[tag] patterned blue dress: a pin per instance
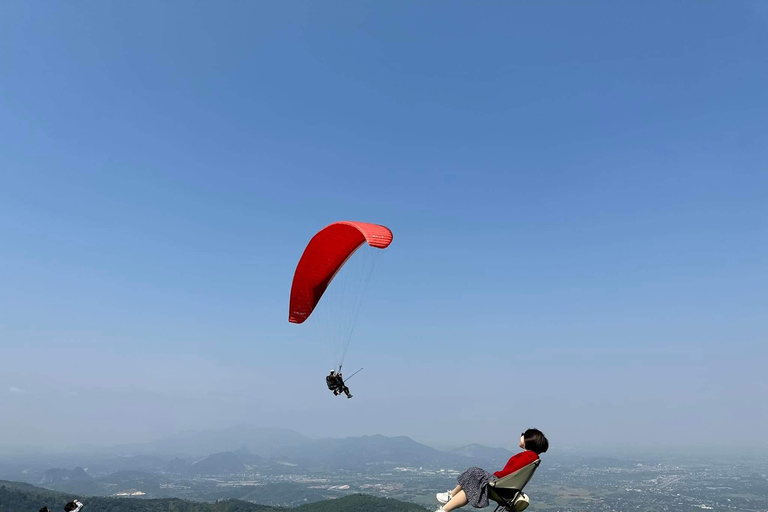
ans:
(474, 482)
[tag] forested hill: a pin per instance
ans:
(359, 503)
(20, 497)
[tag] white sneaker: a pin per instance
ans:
(440, 509)
(443, 497)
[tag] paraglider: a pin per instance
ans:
(324, 256)
(343, 253)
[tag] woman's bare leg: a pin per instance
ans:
(455, 491)
(459, 500)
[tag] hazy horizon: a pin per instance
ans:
(578, 194)
(611, 450)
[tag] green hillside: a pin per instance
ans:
(20, 497)
(359, 503)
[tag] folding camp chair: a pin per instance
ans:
(508, 491)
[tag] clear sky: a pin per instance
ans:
(578, 193)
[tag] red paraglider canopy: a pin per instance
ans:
(325, 254)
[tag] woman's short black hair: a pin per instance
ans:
(535, 440)
(44, 509)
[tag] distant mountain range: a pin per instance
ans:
(262, 441)
(156, 468)
(254, 445)
(57, 475)
(359, 452)
(224, 463)
(498, 456)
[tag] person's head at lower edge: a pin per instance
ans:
(534, 439)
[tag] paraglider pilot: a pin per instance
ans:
(336, 384)
(73, 506)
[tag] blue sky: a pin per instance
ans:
(578, 194)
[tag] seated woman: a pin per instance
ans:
(473, 483)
